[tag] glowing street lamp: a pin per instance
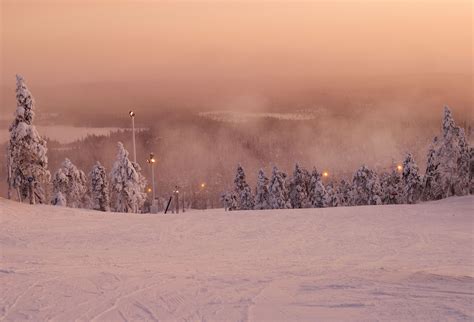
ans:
(203, 185)
(399, 168)
(151, 161)
(325, 174)
(132, 116)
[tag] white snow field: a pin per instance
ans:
(374, 263)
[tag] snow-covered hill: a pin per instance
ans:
(408, 262)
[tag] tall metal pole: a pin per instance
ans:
(132, 115)
(153, 181)
(152, 161)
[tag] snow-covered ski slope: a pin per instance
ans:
(407, 262)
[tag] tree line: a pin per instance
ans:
(28, 174)
(449, 172)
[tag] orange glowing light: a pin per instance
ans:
(325, 174)
(399, 168)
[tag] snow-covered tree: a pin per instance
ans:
(447, 171)
(243, 190)
(432, 190)
(58, 199)
(366, 187)
(99, 188)
(126, 183)
(298, 189)
(279, 198)
(262, 195)
(391, 188)
(317, 191)
(411, 180)
(332, 197)
(462, 183)
(229, 200)
(71, 182)
(26, 152)
(343, 191)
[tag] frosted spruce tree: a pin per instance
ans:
(447, 171)
(411, 180)
(99, 188)
(229, 201)
(391, 188)
(366, 187)
(71, 183)
(343, 191)
(332, 197)
(432, 189)
(126, 183)
(279, 198)
(27, 162)
(298, 189)
(243, 191)
(317, 191)
(262, 195)
(233, 203)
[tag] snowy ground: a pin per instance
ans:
(361, 263)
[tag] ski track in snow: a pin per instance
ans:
(406, 262)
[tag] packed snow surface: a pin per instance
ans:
(405, 262)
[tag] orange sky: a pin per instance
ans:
(83, 41)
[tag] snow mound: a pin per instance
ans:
(403, 262)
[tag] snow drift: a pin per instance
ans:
(403, 262)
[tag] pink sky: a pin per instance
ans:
(84, 41)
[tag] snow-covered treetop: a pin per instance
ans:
(448, 121)
(25, 102)
(240, 175)
(123, 166)
(409, 164)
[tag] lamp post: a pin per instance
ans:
(176, 200)
(203, 196)
(132, 116)
(151, 161)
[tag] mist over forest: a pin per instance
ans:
(201, 135)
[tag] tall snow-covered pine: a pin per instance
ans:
(262, 195)
(99, 188)
(71, 183)
(317, 191)
(279, 198)
(126, 183)
(447, 171)
(366, 187)
(243, 190)
(343, 191)
(298, 189)
(411, 180)
(26, 152)
(391, 188)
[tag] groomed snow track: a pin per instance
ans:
(407, 262)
